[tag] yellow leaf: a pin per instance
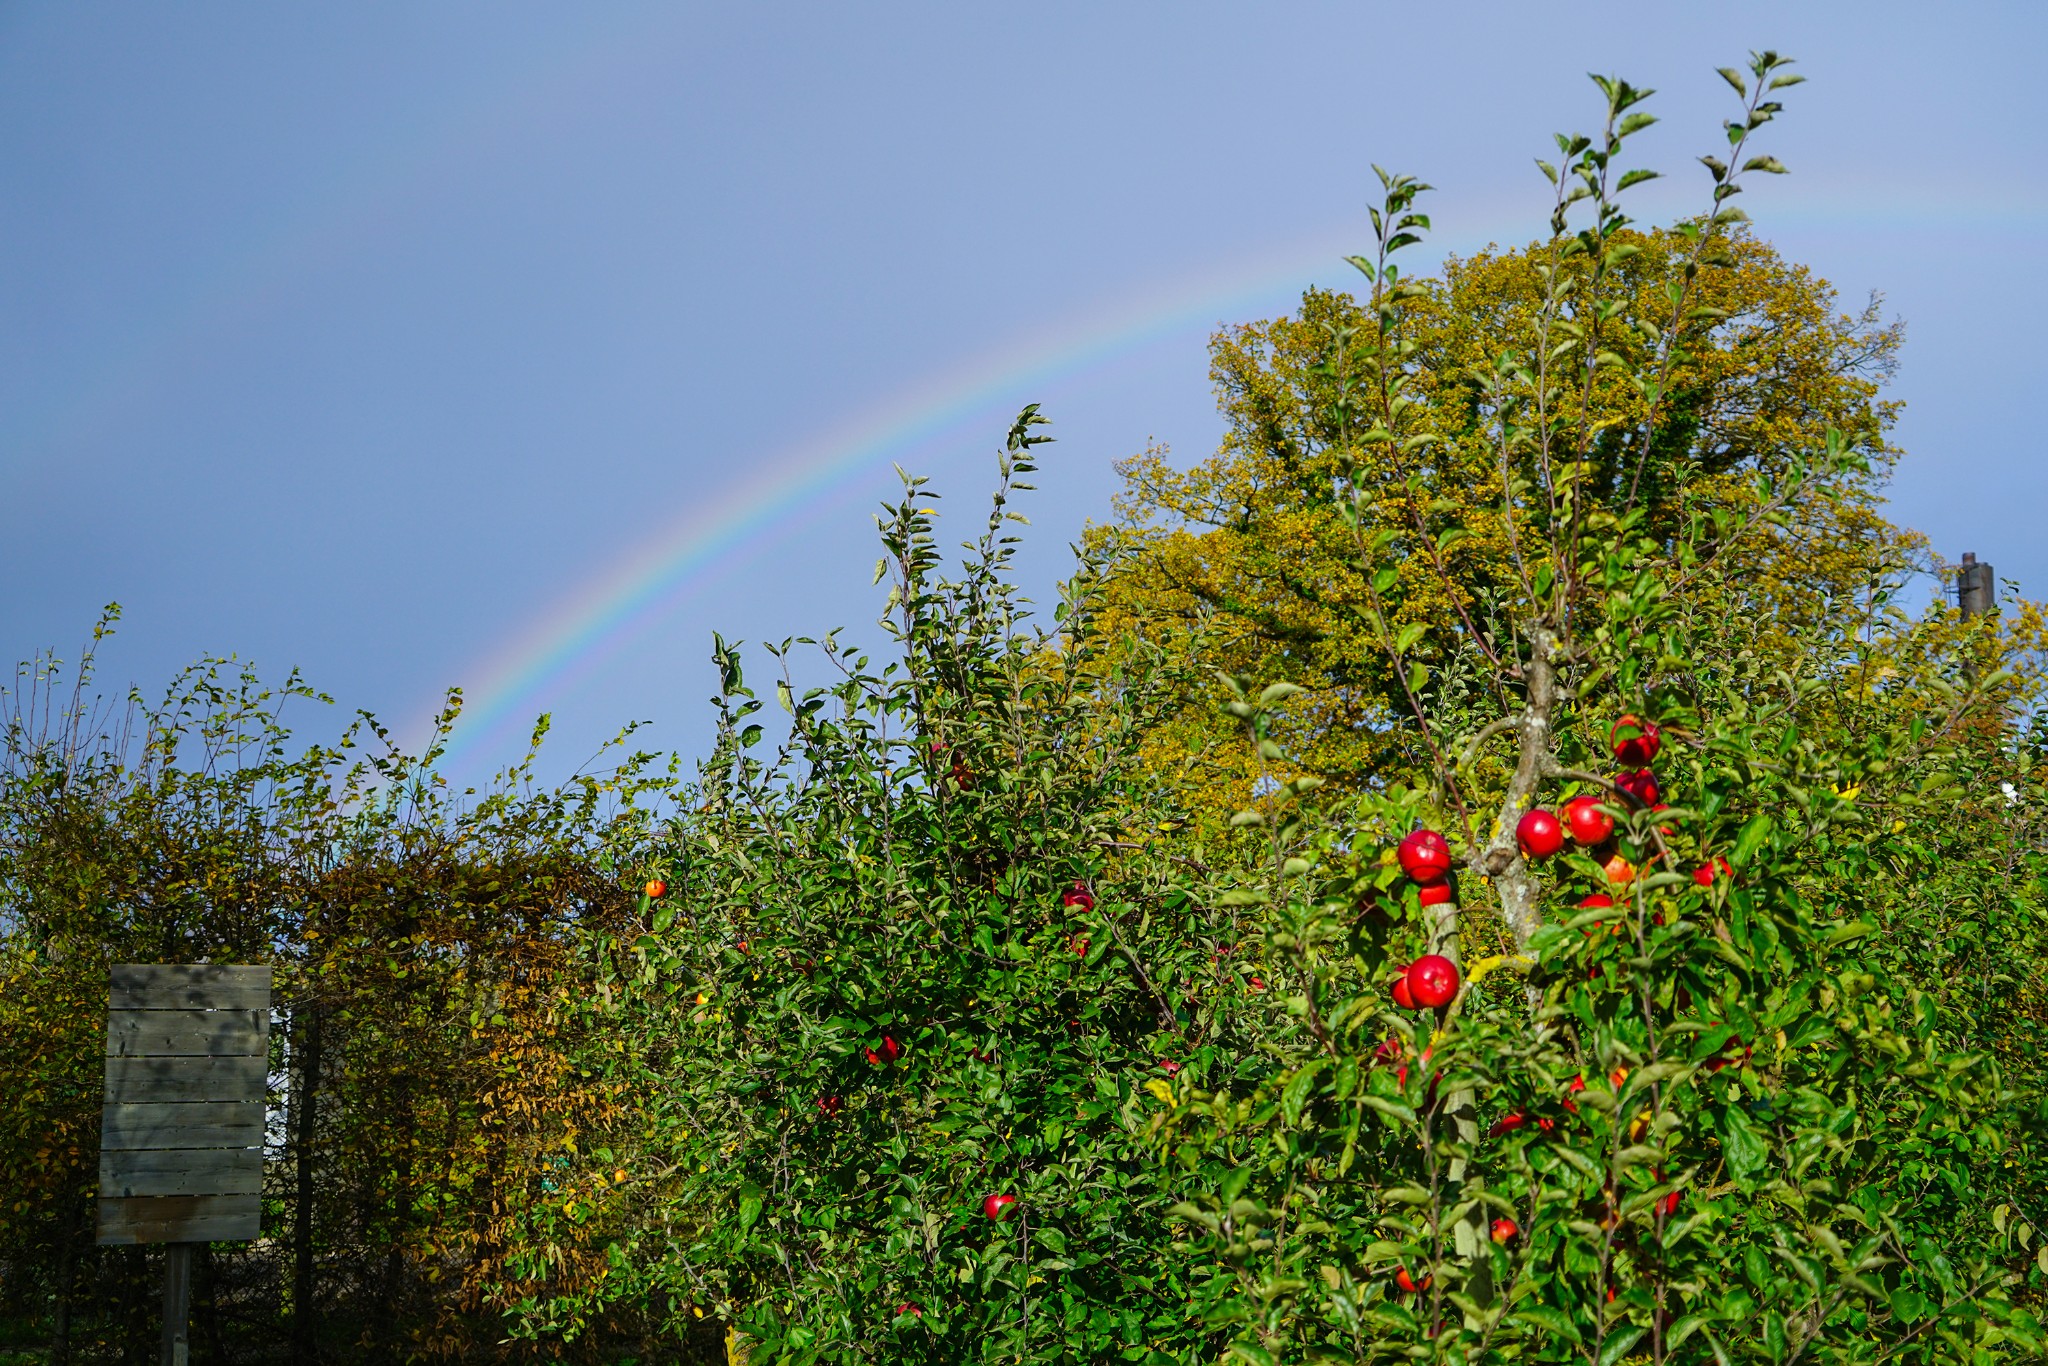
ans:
(1161, 1090)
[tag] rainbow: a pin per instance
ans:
(590, 625)
(593, 623)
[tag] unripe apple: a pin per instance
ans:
(1432, 980)
(1403, 997)
(1503, 1231)
(1434, 893)
(1425, 856)
(656, 889)
(1538, 834)
(1588, 824)
(998, 1207)
(1078, 898)
(1634, 740)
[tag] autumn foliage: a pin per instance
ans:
(1493, 864)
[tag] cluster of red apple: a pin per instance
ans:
(1635, 742)
(1431, 981)
(1078, 898)
(1541, 835)
(963, 776)
(1502, 1231)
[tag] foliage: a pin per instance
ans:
(1253, 545)
(1724, 1118)
(1007, 913)
(428, 953)
(923, 955)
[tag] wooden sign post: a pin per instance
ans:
(181, 1134)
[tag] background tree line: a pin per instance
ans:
(1098, 910)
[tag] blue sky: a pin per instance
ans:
(377, 340)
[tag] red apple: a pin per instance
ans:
(1538, 834)
(1388, 1051)
(1169, 1067)
(1640, 784)
(1258, 984)
(1079, 944)
(998, 1207)
(1668, 1206)
(1634, 740)
(1619, 870)
(829, 1106)
(1403, 997)
(909, 1309)
(1425, 856)
(1508, 1123)
(1407, 1282)
(1078, 898)
(656, 889)
(891, 1050)
(1705, 874)
(1432, 980)
(1434, 893)
(1504, 1230)
(1597, 901)
(1588, 824)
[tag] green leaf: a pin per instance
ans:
(1550, 1320)
(1683, 1329)
(1755, 831)
(1298, 1087)
(1618, 1343)
(1741, 1145)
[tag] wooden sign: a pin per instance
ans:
(181, 1134)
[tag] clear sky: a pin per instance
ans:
(522, 346)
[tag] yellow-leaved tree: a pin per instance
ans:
(1250, 548)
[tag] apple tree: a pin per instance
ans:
(1684, 1101)
(920, 968)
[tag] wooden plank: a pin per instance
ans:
(180, 1219)
(187, 1033)
(183, 1171)
(194, 1124)
(137, 1080)
(188, 986)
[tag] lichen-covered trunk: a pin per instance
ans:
(1499, 859)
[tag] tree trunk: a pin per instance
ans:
(70, 1232)
(306, 1051)
(1499, 859)
(1460, 1109)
